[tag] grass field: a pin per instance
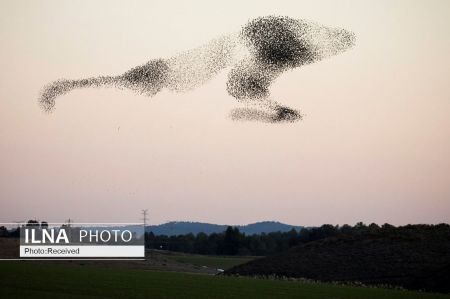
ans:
(215, 262)
(45, 280)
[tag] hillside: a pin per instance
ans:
(183, 227)
(414, 257)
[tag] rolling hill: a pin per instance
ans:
(413, 257)
(184, 227)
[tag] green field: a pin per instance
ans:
(215, 262)
(45, 280)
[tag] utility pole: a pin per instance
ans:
(144, 217)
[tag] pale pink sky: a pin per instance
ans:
(374, 144)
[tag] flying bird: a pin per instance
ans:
(255, 56)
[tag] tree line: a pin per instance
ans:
(233, 242)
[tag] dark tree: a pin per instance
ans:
(33, 223)
(232, 240)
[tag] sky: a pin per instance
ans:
(373, 146)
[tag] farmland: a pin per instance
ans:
(72, 280)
